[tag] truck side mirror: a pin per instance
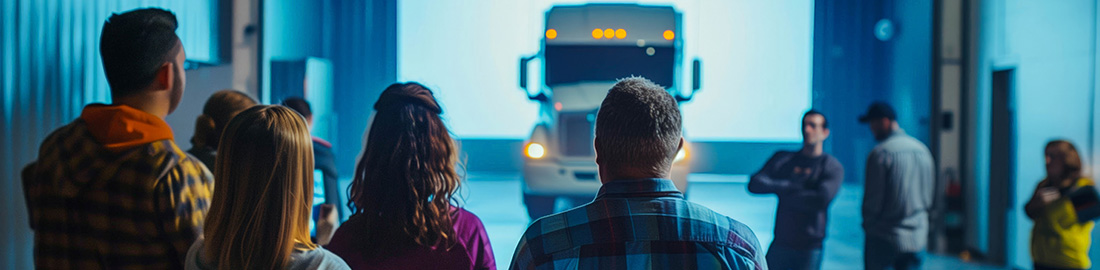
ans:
(523, 78)
(696, 79)
(523, 71)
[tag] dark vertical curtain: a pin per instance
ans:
(362, 45)
(49, 69)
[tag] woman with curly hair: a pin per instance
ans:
(401, 195)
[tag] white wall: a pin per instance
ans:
(201, 83)
(756, 63)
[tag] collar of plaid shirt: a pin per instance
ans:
(651, 187)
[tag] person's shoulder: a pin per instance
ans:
(832, 161)
(346, 239)
(700, 213)
(463, 216)
(65, 143)
(193, 258)
(742, 240)
(557, 222)
(318, 258)
(188, 164)
(66, 132)
(467, 223)
(177, 168)
(348, 232)
(783, 154)
(331, 260)
(318, 142)
(62, 138)
(736, 235)
(902, 142)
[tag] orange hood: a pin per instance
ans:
(119, 127)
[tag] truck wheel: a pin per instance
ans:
(538, 205)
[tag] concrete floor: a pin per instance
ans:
(496, 199)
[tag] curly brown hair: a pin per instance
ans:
(404, 181)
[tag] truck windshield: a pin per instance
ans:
(576, 63)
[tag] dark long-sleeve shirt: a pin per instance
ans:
(805, 186)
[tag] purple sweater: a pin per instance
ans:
(805, 186)
(472, 250)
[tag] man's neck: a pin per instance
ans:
(893, 130)
(143, 103)
(629, 175)
(812, 150)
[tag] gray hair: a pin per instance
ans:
(638, 126)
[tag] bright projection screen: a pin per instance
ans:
(756, 58)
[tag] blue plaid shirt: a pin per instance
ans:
(639, 224)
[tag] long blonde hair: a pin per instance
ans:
(261, 207)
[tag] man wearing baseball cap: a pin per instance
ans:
(897, 195)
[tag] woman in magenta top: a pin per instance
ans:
(401, 195)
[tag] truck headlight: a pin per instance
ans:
(534, 150)
(681, 155)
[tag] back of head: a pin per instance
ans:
(134, 45)
(261, 208)
(406, 174)
(299, 105)
(638, 128)
(219, 109)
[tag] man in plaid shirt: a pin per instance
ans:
(111, 190)
(639, 220)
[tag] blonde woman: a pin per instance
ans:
(1058, 239)
(259, 217)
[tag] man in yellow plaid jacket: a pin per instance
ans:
(111, 190)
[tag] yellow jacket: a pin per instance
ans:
(1057, 239)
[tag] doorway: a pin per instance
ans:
(1002, 159)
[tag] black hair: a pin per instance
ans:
(825, 122)
(134, 45)
(638, 125)
(299, 105)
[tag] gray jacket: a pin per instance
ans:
(898, 192)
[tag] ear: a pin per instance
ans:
(166, 76)
(596, 144)
(681, 146)
(883, 122)
(826, 133)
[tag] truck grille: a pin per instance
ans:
(576, 132)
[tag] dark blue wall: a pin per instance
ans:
(358, 37)
(852, 68)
